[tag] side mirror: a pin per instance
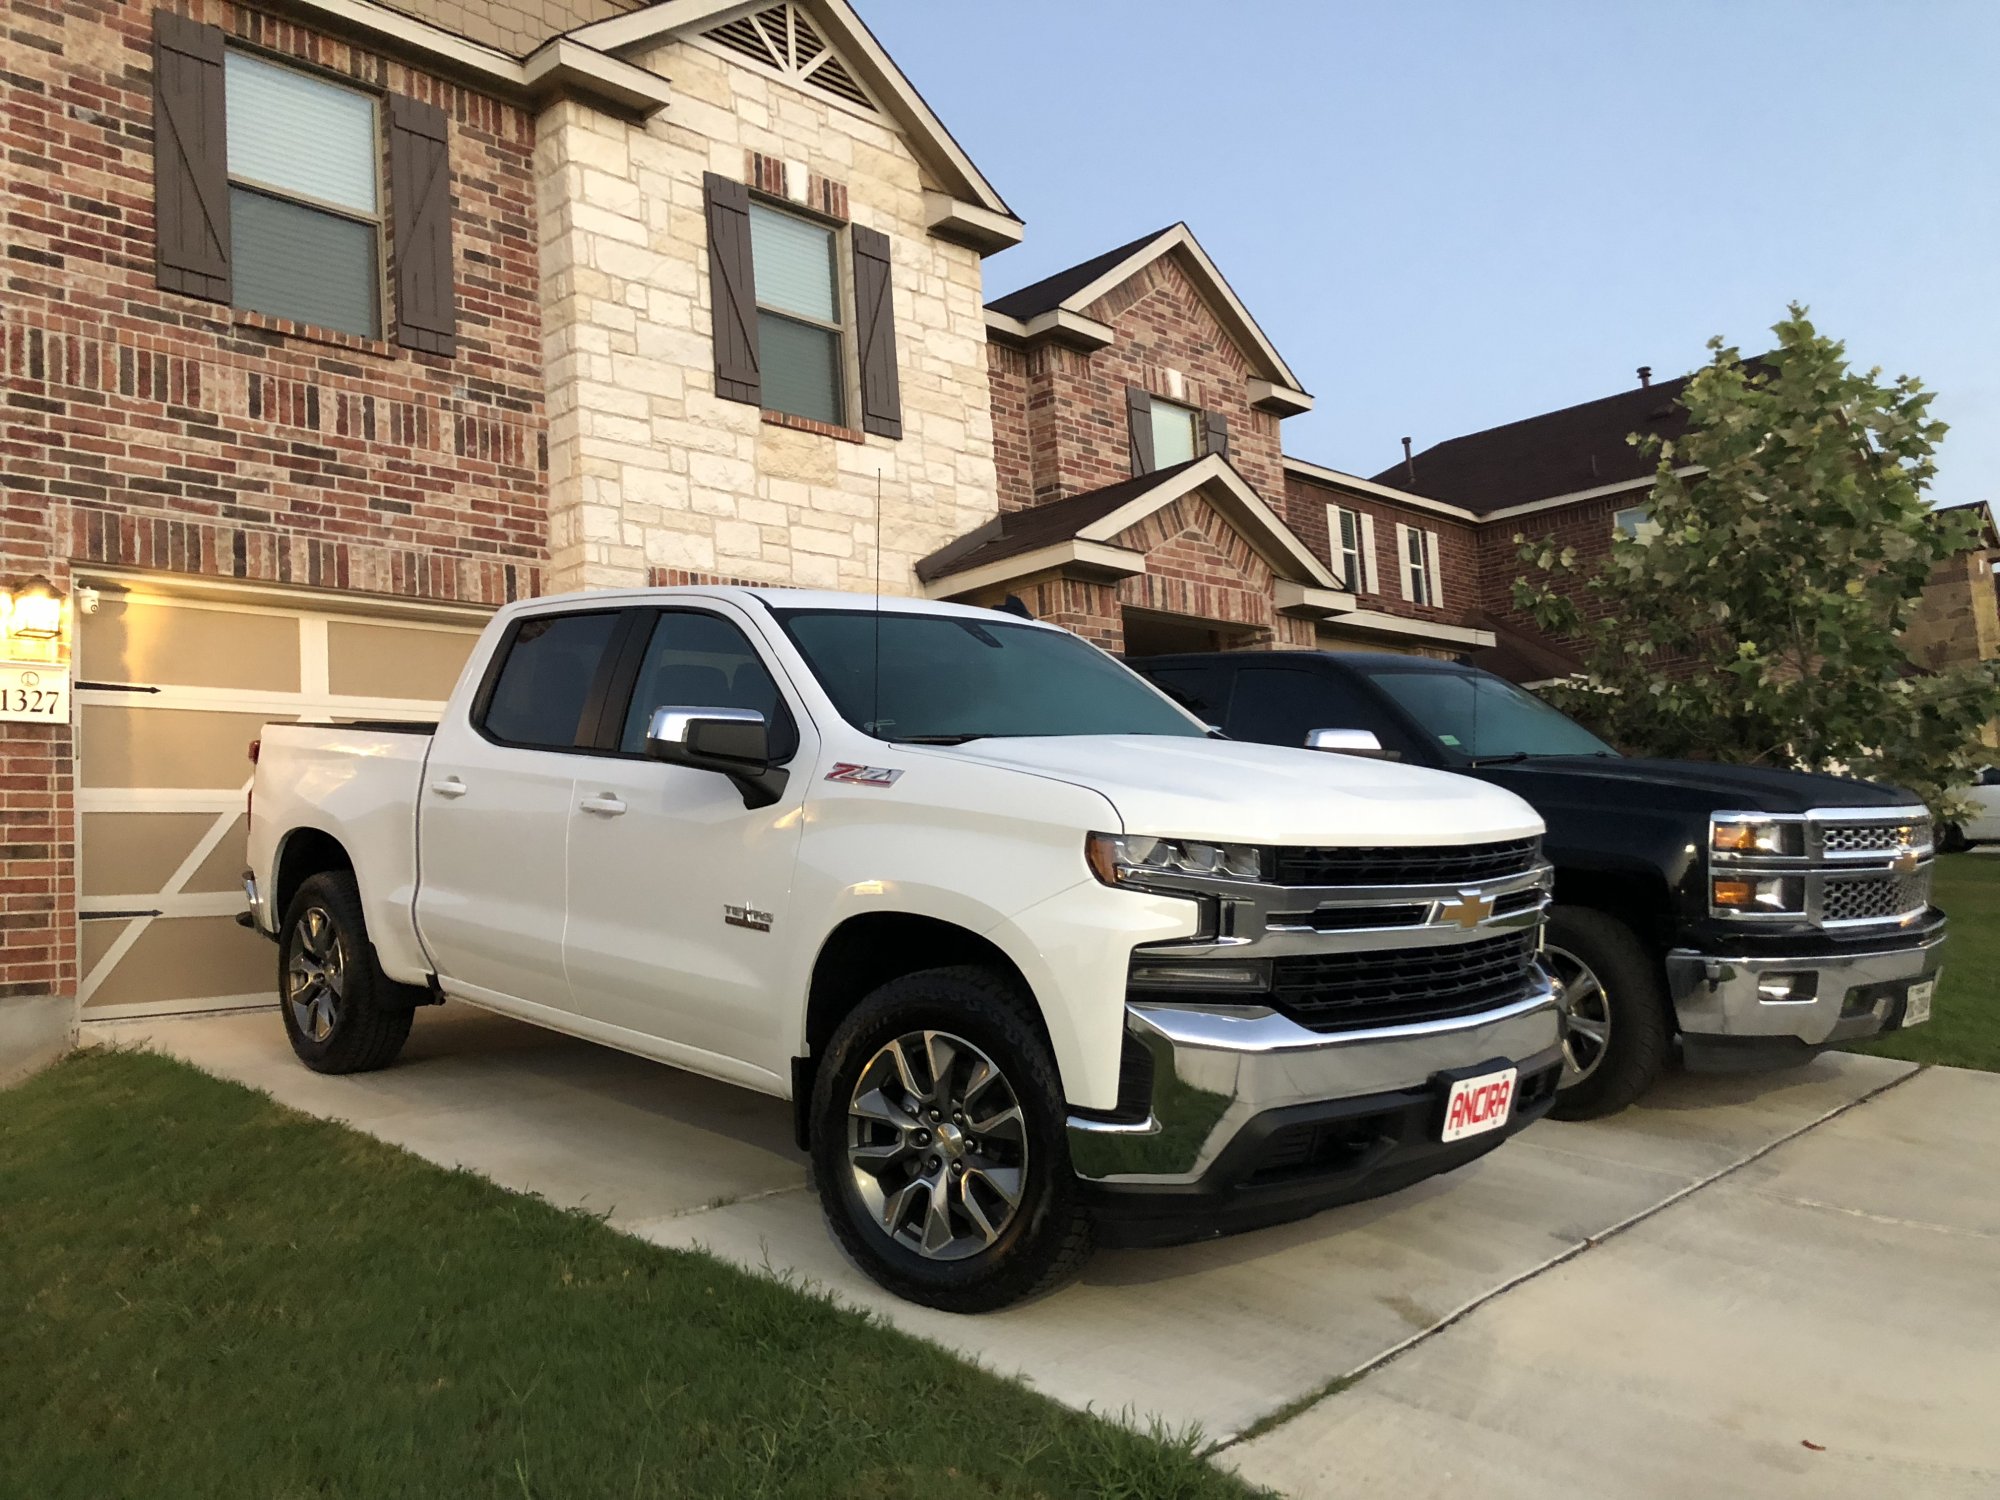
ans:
(735, 742)
(1360, 742)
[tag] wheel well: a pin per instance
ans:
(307, 852)
(1642, 904)
(863, 954)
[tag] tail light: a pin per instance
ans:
(250, 797)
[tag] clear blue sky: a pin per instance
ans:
(1451, 215)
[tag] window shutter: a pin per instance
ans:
(1369, 581)
(1139, 419)
(1406, 552)
(1431, 568)
(732, 289)
(420, 189)
(875, 318)
(190, 159)
(1215, 430)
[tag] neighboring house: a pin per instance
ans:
(1145, 499)
(331, 326)
(1957, 621)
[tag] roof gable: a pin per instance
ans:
(1073, 292)
(834, 38)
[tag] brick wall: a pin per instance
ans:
(1065, 411)
(1461, 559)
(1585, 526)
(153, 430)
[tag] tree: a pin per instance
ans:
(1759, 617)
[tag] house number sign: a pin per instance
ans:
(33, 695)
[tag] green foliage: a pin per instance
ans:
(1760, 617)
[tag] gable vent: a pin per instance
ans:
(781, 38)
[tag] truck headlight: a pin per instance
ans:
(1747, 835)
(1129, 858)
(1758, 895)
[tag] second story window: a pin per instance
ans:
(305, 223)
(1636, 521)
(798, 314)
(1417, 556)
(1353, 537)
(1176, 433)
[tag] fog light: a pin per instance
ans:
(1782, 986)
(1229, 976)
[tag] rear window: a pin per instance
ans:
(537, 701)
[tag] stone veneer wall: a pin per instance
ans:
(651, 473)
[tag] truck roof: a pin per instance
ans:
(784, 598)
(1360, 660)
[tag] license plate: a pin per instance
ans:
(1917, 1005)
(1477, 1105)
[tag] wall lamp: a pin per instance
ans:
(33, 610)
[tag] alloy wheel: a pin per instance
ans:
(1585, 1011)
(315, 974)
(937, 1144)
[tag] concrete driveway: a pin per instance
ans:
(1770, 1286)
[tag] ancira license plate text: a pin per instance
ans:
(1477, 1105)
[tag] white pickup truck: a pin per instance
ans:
(1039, 958)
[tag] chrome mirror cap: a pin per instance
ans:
(1346, 742)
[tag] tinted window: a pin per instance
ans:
(1277, 705)
(956, 677)
(1191, 687)
(545, 681)
(1477, 714)
(700, 661)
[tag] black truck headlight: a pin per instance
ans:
(1758, 895)
(1748, 835)
(1129, 858)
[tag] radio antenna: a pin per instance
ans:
(875, 713)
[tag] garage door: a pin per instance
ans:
(171, 688)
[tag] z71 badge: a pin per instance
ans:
(863, 775)
(747, 916)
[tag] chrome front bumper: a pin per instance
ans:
(1213, 1072)
(1839, 997)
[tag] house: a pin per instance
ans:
(329, 327)
(1145, 499)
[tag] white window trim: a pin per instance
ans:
(1360, 578)
(1417, 565)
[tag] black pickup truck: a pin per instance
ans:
(1757, 915)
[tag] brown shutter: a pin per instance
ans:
(420, 190)
(875, 315)
(190, 159)
(1215, 429)
(1139, 419)
(733, 290)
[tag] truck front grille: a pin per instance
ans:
(1874, 898)
(1870, 838)
(1454, 864)
(1400, 987)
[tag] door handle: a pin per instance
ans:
(450, 786)
(607, 804)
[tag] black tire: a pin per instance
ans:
(1634, 1006)
(1951, 839)
(1047, 1236)
(360, 1021)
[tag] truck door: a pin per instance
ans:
(494, 807)
(678, 893)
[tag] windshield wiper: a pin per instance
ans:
(937, 739)
(1500, 760)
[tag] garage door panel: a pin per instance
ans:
(189, 959)
(223, 869)
(183, 645)
(166, 747)
(95, 940)
(392, 661)
(138, 851)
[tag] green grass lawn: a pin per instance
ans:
(1964, 1030)
(204, 1294)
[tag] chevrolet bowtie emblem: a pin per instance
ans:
(1905, 862)
(1468, 909)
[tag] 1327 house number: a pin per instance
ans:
(34, 695)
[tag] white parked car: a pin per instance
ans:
(1037, 958)
(1983, 825)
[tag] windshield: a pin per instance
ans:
(1483, 717)
(951, 678)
